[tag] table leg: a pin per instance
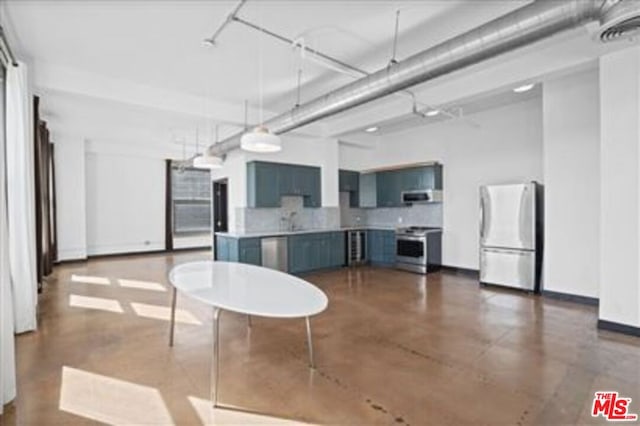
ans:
(214, 358)
(312, 363)
(172, 325)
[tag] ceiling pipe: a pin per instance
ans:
(521, 27)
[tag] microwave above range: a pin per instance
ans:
(422, 196)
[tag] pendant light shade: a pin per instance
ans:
(260, 140)
(206, 161)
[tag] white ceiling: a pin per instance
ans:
(158, 45)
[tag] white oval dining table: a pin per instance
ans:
(245, 289)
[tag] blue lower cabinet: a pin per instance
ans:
(310, 252)
(222, 248)
(226, 249)
(250, 251)
(244, 250)
(382, 246)
(299, 247)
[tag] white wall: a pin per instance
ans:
(620, 184)
(571, 117)
(71, 203)
(506, 147)
(125, 202)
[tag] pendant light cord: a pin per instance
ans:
(260, 71)
(395, 39)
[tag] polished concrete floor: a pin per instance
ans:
(392, 348)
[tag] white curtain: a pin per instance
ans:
(21, 199)
(7, 351)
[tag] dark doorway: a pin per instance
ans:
(220, 223)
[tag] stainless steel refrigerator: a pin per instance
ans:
(511, 235)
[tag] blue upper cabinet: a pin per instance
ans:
(268, 182)
(263, 184)
(391, 183)
(388, 188)
(367, 190)
(349, 181)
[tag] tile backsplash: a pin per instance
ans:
(250, 220)
(292, 211)
(417, 214)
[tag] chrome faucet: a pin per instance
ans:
(292, 223)
(287, 221)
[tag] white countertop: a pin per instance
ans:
(300, 231)
(248, 289)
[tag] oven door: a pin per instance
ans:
(411, 250)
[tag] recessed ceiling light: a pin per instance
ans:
(371, 129)
(524, 88)
(432, 113)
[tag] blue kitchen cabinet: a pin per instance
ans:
(310, 252)
(388, 190)
(436, 178)
(349, 181)
(310, 184)
(268, 182)
(424, 177)
(381, 245)
(391, 183)
(300, 253)
(226, 248)
(263, 184)
(413, 178)
(250, 251)
(244, 250)
(222, 248)
(367, 190)
(337, 241)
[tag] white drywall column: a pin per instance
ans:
(571, 159)
(71, 207)
(620, 186)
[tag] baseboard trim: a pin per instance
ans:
(471, 273)
(567, 297)
(146, 253)
(70, 261)
(619, 328)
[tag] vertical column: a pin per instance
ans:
(71, 198)
(620, 191)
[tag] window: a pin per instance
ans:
(190, 201)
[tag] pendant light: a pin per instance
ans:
(260, 139)
(205, 160)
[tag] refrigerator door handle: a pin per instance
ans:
(483, 214)
(481, 218)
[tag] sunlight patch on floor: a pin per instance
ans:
(110, 400)
(164, 313)
(99, 303)
(220, 416)
(88, 279)
(142, 285)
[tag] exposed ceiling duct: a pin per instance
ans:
(526, 25)
(621, 20)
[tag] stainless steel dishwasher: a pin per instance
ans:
(274, 253)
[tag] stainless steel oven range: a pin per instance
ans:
(418, 249)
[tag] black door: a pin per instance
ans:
(220, 206)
